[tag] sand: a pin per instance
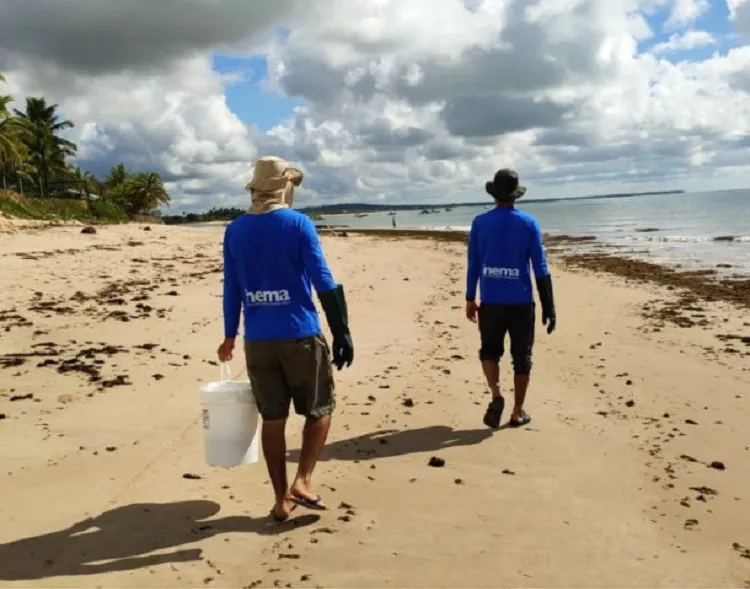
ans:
(611, 485)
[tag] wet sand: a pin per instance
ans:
(633, 471)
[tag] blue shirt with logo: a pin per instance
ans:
(271, 264)
(502, 242)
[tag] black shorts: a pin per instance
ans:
(515, 320)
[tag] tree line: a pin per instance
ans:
(36, 160)
(215, 214)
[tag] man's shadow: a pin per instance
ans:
(126, 536)
(390, 443)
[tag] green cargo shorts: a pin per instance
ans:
(295, 371)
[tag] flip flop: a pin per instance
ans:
(525, 418)
(310, 503)
(494, 412)
(282, 519)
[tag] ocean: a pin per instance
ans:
(701, 230)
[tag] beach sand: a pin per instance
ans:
(611, 485)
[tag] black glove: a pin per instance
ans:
(544, 286)
(334, 306)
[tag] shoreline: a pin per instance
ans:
(705, 284)
(631, 473)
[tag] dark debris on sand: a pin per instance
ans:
(88, 360)
(695, 287)
(741, 550)
(27, 397)
(10, 319)
(448, 236)
(116, 294)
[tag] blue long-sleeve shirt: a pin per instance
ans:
(502, 242)
(271, 264)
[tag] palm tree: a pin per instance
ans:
(48, 151)
(141, 193)
(148, 192)
(117, 176)
(86, 181)
(13, 152)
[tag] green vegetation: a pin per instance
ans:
(64, 209)
(210, 216)
(214, 215)
(36, 164)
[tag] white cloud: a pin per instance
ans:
(739, 14)
(733, 5)
(686, 12)
(685, 42)
(177, 123)
(562, 93)
(403, 101)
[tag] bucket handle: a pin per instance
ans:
(226, 372)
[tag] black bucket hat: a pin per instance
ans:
(505, 186)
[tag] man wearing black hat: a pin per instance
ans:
(502, 242)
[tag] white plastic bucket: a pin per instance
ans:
(230, 421)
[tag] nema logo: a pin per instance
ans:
(490, 272)
(268, 297)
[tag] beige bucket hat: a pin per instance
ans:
(272, 185)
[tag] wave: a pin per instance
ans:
(464, 228)
(694, 238)
(457, 228)
(642, 237)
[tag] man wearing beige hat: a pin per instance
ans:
(272, 261)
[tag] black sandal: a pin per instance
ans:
(525, 418)
(494, 412)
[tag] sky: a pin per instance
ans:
(394, 101)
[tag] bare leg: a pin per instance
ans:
(521, 384)
(492, 374)
(314, 437)
(274, 451)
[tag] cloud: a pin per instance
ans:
(177, 124)
(739, 14)
(733, 7)
(402, 101)
(104, 36)
(556, 73)
(686, 12)
(138, 83)
(685, 42)
(491, 116)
